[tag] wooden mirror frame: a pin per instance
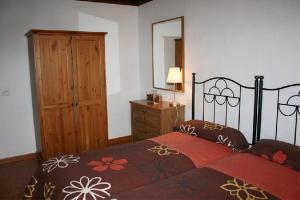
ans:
(179, 88)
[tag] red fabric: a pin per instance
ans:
(106, 162)
(200, 151)
(279, 157)
(276, 179)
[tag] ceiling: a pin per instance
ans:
(122, 2)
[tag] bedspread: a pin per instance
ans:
(103, 173)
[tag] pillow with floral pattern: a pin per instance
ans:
(227, 136)
(277, 151)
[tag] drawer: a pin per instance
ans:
(151, 120)
(143, 134)
(144, 131)
(138, 110)
(148, 116)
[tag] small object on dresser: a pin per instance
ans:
(157, 98)
(149, 95)
(153, 96)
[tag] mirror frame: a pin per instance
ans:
(183, 53)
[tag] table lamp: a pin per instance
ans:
(174, 76)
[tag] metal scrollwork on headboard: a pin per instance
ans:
(222, 95)
(292, 102)
(295, 112)
(220, 92)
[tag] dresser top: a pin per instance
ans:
(162, 105)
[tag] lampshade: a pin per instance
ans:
(174, 75)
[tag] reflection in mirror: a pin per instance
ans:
(168, 44)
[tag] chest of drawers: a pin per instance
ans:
(151, 120)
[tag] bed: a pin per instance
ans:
(126, 167)
(121, 168)
(212, 165)
(243, 176)
(270, 169)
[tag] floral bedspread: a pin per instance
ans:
(101, 174)
(239, 177)
(198, 184)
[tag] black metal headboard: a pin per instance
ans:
(283, 99)
(222, 96)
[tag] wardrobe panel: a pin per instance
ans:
(68, 130)
(89, 127)
(90, 91)
(56, 69)
(52, 133)
(59, 132)
(89, 69)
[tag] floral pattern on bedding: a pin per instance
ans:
(226, 142)
(108, 163)
(214, 132)
(48, 191)
(59, 162)
(243, 190)
(202, 183)
(162, 150)
(99, 174)
(277, 151)
(278, 157)
(188, 129)
(87, 188)
(30, 188)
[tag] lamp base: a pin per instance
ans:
(174, 104)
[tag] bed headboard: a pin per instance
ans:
(219, 92)
(284, 111)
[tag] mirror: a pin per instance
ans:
(168, 51)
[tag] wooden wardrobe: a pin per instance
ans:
(69, 90)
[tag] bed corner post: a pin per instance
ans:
(193, 95)
(259, 112)
(255, 109)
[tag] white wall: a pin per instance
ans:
(232, 38)
(122, 71)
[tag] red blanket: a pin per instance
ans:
(278, 180)
(241, 176)
(200, 151)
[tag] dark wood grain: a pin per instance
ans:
(120, 140)
(20, 158)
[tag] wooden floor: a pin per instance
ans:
(14, 177)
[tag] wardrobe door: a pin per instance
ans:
(90, 91)
(55, 87)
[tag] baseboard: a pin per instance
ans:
(111, 142)
(20, 158)
(120, 140)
